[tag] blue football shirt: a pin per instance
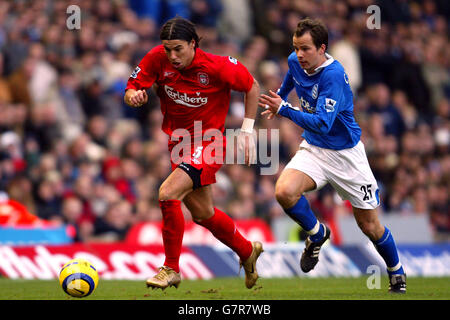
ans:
(326, 100)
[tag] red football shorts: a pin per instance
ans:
(200, 160)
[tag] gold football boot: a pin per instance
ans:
(166, 277)
(251, 275)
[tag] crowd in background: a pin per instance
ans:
(71, 151)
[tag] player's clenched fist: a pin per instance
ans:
(135, 98)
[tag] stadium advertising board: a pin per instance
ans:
(428, 260)
(137, 262)
(124, 261)
(31, 235)
(112, 261)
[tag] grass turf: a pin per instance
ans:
(233, 289)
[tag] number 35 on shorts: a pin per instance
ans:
(368, 195)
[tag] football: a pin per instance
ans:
(78, 278)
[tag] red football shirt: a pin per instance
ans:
(199, 92)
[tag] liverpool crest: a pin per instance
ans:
(203, 78)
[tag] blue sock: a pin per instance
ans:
(319, 235)
(387, 249)
(303, 215)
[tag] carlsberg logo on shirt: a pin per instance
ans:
(184, 99)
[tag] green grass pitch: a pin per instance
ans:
(233, 289)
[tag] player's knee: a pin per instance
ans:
(370, 228)
(201, 213)
(285, 196)
(166, 193)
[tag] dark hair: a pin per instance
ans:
(179, 28)
(316, 29)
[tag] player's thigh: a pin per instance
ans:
(200, 203)
(350, 174)
(290, 186)
(304, 172)
(176, 186)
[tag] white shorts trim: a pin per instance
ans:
(347, 170)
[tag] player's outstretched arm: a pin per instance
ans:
(135, 98)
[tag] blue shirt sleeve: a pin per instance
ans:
(286, 86)
(320, 122)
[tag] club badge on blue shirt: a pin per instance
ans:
(315, 91)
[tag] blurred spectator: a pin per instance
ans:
(160, 10)
(408, 112)
(18, 82)
(115, 223)
(97, 128)
(5, 92)
(71, 212)
(83, 189)
(20, 189)
(380, 98)
(377, 62)
(48, 201)
(145, 212)
(347, 53)
(205, 12)
(235, 21)
(435, 76)
(71, 104)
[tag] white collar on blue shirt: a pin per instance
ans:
(329, 61)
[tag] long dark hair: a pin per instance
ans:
(179, 28)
